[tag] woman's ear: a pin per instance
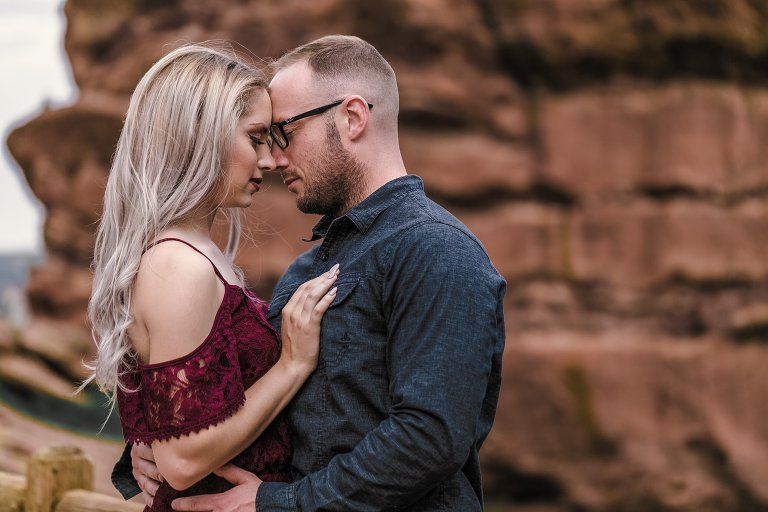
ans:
(356, 113)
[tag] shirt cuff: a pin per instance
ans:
(122, 475)
(275, 497)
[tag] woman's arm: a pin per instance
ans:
(175, 301)
(186, 460)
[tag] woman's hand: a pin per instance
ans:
(145, 471)
(301, 321)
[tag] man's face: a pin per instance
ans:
(315, 166)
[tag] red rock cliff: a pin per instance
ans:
(610, 154)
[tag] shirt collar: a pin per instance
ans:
(363, 215)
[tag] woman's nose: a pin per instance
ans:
(266, 161)
(279, 157)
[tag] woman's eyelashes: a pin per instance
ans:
(257, 139)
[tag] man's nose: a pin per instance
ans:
(281, 161)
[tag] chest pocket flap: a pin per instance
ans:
(346, 285)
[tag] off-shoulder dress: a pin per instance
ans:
(193, 392)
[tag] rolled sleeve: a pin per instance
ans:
(122, 475)
(275, 497)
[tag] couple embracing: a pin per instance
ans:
(371, 379)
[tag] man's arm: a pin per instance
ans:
(441, 303)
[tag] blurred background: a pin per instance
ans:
(610, 154)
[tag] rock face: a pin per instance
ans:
(610, 154)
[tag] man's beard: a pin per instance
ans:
(337, 179)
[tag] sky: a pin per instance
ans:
(35, 70)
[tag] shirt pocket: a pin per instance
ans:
(335, 335)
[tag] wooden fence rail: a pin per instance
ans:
(59, 479)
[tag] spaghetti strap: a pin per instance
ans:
(215, 269)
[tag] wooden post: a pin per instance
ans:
(86, 501)
(53, 471)
(13, 488)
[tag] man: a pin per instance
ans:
(409, 371)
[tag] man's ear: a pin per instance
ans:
(356, 118)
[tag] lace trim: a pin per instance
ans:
(191, 428)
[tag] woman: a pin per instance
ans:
(183, 347)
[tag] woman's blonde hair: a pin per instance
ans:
(167, 167)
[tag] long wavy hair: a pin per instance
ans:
(168, 167)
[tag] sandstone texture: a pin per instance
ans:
(610, 154)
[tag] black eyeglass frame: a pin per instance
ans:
(309, 113)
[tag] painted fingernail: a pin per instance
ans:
(332, 271)
(333, 290)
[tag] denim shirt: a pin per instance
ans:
(409, 371)
(408, 376)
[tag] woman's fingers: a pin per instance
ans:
(147, 498)
(302, 316)
(333, 270)
(144, 469)
(142, 451)
(298, 309)
(150, 486)
(317, 290)
(323, 304)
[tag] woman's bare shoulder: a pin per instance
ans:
(175, 299)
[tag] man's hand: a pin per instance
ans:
(145, 471)
(241, 498)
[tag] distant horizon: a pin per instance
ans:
(37, 73)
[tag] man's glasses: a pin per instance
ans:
(277, 130)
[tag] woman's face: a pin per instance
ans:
(250, 155)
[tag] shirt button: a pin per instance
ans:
(324, 257)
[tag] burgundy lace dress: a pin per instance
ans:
(205, 387)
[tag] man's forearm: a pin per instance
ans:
(393, 466)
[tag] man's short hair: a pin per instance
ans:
(340, 62)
